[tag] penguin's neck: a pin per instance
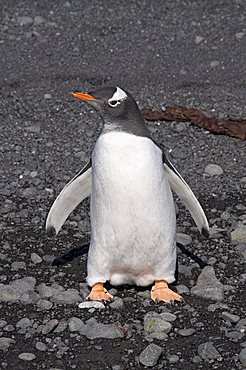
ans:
(130, 126)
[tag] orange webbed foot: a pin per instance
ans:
(99, 293)
(161, 292)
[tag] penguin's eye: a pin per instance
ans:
(113, 103)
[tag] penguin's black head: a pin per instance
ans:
(117, 108)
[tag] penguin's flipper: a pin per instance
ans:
(69, 198)
(183, 191)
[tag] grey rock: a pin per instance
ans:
(61, 327)
(208, 352)
(40, 346)
(184, 239)
(3, 323)
(35, 129)
(35, 258)
(154, 322)
(24, 285)
(46, 291)
(38, 20)
(93, 330)
(186, 332)
(196, 359)
(235, 335)
(208, 286)
(44, 304)
(26, 356)
(117, 304)
(50, 326)
(242, 356)
(91, 304)
(9, 293)
(29, 298)
(182, 289)
(23, 21)
(5, 343)
(168, 316)
(173, 359)
(23, 325)
(213, 170)
(19, 265)
(185, 270)
(216, 306)
(9, 328)
(241, 325)
(75, 324)
(239, 234)
(69, 296)
(227, 316)
(150, 355)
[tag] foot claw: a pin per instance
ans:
(161, 292)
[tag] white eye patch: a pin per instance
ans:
(117, 98)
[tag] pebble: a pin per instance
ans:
(92, 330)
(235, 336)
(23, 21)
(208, 286)
(150, 355)
(184, 239)
(26, 356)
(5, 343)
(173, 359)
(35, 258)
(9, 293)
(117, 304)
(213, 170)
(44, 304)
(75, 324)
(241, 325)
(24, 285)
(182, 289)
(16, 266)
(40, 346)
(23, 325)
(239, 234)
(168, 316)
(91, 304)
(227, 316)
(69, 296)
(154, 322)
(198, 39)
(215, 306)
(208, 352)
(38, 20)
(186, 332)
(50, 326)
(242, 356)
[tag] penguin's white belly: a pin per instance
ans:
(132, 213)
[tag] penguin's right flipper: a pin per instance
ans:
(69, 198)
(184, 192)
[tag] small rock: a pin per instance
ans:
(227, 316)
(239, 234)
(184, 239)
(75, 324)
(242, 356)
(241, 325)
(3, 323)
(150, 355)
(24, 285)
(154, 322)
(214, 63)
(91, 304)
(25, 356)
(5, 343)
(208, 286)
(23, 325)
(16, 266)
(47, 96)
(186, 332)
(213, 170)
(239, 35)
(117, 304)
(44, 304)
(198, 39)
(35, 258)
(38, 20)
(173, 359)
(9, 293)
(23, 21)
(168, 316)
(215, 306)
(50, 326)
(69, 296)
(93, 330)
(182, 289)
(235, 336)
(208, 352)
(40, 346)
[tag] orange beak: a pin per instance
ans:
(83, 96)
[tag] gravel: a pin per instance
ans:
(49, 49)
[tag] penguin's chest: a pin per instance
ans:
(132, 209)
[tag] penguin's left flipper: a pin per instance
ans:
(161, 292)
(184, 192)
(69, 198)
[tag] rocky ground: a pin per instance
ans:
(165, 53)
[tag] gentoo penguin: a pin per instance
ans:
(133, 224)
